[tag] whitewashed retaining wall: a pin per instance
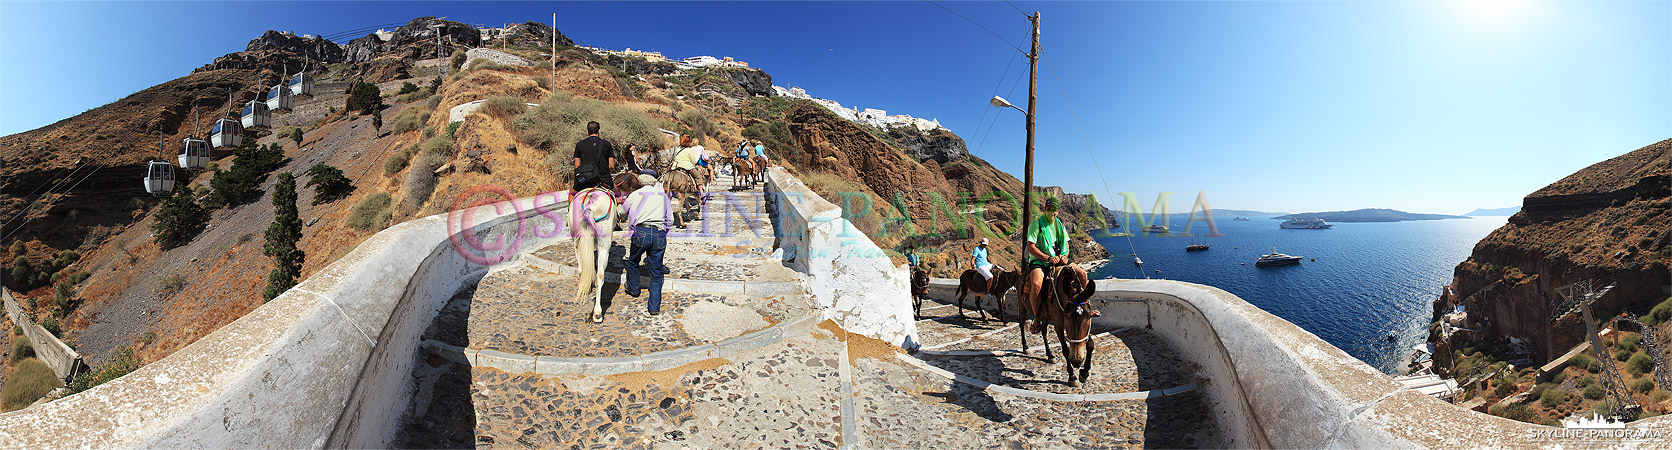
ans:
(326, 364)
(854, 283)
(1273, 385)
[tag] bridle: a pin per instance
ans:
(1060, 300)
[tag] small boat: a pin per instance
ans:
(1241, 219)
(1137, 261)
(1298, 224)
(1198, 246)
(1276, 259)
(1156, 229)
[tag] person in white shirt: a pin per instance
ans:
(648, 211)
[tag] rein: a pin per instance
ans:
(1059, 299)
(607, 212)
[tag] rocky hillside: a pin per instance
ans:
(1608, 222)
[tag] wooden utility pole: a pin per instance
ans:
(554, 51)
(1027, 175)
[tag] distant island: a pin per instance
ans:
(1228, 213)
(1369, 215)
(1510, 211)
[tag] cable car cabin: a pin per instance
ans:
(256, 115)
(194, 153)
(301, 84)
(159, 178)
(227, 133)
(280, 98)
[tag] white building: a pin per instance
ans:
(869, 116)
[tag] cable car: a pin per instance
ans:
(301, 84)
(194, 153)
(256, 115)
(280, 98)
(227, 133)
(159, 178)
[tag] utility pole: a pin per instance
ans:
(554, 51)
(1027, 177)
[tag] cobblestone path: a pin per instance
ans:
(787, 394)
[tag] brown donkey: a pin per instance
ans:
(1062, 305)
(971, 282)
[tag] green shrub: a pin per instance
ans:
(1640, 364)
(377, 120)
(435, 99)
(456, 60)
(17, 330)
(122, 362)
(1503, 389)
(1585, 361)
(18, 248)
(452, 130)
(1631, 341)
(328, 183)
(364, 98)
(51, 326)
(409, 119)
(170, 284)
(408, 88)
(1604, 408)
(488, 64)
(250, 166)
(1643, 385)
(503, 107)
(21, 348)
(1594, 392)
(1553, 397)
(697, 121)
(1513, 411)
(30, 381)
(396, 162)
(1659, 395)
(371, 214)
(1660, 313)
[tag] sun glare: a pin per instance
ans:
(1495, 11)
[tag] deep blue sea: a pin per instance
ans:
(1359, 283)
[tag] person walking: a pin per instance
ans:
(594, 159)
(1047, 247)
(647, 211)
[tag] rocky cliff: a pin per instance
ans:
(315, 48)
(415, 40)
(1608, 222)
(938, 144)
(533, 34)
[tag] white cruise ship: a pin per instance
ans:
(1308, 224)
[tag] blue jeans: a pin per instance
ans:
(651, 244)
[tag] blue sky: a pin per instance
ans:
(1437, 107)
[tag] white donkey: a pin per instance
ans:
(591, 221)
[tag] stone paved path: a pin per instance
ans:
(788, 394)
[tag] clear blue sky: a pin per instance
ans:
(1437, 107)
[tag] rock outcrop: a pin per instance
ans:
(534, 34)
(635, 65)
(753, 81)
(937, 144)
(364, 49)
(1608, 222)
(314, 48)
(417, 39)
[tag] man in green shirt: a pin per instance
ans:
(1047, 247)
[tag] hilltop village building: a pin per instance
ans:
(869, 116)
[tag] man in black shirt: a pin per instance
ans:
(594, 159)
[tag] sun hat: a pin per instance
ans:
(983, 241)
(646, 179)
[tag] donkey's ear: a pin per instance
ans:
(1086, 292)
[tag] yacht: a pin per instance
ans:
(1276, 259)
(1299, 224)
(1241, 219)
(1156, 229)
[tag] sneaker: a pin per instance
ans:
(656, 312)
(634, 294)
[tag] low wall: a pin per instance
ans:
(1274, 385)
(326, 364)
(851, 279)
(63, 360)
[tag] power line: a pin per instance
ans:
(961, 16)
(1013, 6)
(54, 187)
(1011, 93)
(49, 192)
(1087, 140)
(996, 87)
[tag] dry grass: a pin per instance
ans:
(30, 381)
(503, 107)
(371, 214)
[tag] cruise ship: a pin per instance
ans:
(1309, 224)
(1157, 229)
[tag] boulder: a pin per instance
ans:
(313, 48)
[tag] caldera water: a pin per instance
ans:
(1358, 285)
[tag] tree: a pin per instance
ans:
(364, 97)
(178, 218)
(408, 88)
(296, 135)
(328, 183)
(282, 236)
(377, 120)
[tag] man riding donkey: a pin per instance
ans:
(592, 216)
(981, 280)
(1057, 292)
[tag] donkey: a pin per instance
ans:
(591, 222)
(743, 171)
(681, 186)
(971, 282)
(1062, 304)
(760, 169)
(919, 289)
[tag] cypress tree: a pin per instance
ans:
(178, 218)
(282, 236)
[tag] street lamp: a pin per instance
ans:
(1000, 102)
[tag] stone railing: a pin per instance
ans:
(1274, 385)
(851, 279)
(63, 360)
(326, 364)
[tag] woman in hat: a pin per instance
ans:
(978, 260)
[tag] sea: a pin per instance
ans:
(1359, 283)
